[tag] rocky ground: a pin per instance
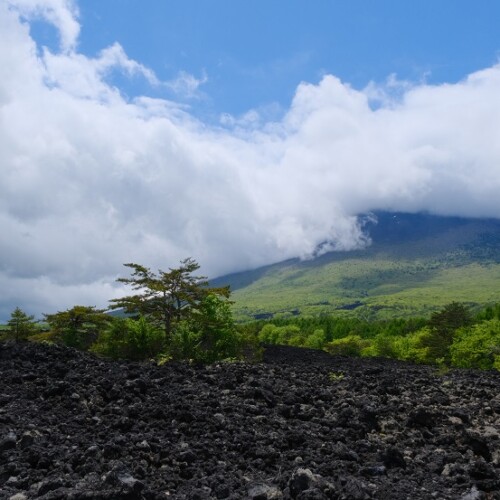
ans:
(300, 425)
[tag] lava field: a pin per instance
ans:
(299, 425)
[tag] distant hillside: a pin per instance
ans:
(416, 264)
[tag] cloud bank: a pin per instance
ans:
(90, 179)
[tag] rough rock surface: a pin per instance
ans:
(300, 425)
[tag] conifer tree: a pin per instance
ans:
(21, 326)
(79, 326)
(168, 297)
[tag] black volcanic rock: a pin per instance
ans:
(73, 426)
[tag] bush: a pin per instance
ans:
(209, 334)
(383, 345)
(316, 340)
(42, 337)
(282, 335)
(477, 346)
(131, 339)
(352, 345)
(184, 342)
(412, 347)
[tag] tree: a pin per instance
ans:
(442, 327)
(166, 298)
(20, 325)
(451, 317)
(79, 326)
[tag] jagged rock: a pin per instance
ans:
(18, 496)
(392, 457)
(261, 491)
(75, 427)
(8, 442)
(301, 480)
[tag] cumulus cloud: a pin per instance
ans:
(91, 180)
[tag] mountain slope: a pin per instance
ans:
(416, 264)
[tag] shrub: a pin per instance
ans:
(211, 330)
(131, 339)
(316, 340)
(352, 345)
(477, 346)
(283, 335)
(413, 347)
(383, 345)
(184, 342)
(42, 337)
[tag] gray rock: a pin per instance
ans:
(262, 491)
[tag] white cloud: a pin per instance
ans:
(186, 85)
(63, 14)
(90, 180)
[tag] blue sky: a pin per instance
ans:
(237, 133)
(255, 53)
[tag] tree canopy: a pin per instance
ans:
(166, 297)
(79, 326)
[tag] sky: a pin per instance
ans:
(237, 133)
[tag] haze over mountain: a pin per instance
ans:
(93, 176)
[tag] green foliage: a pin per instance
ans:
(196, 319)
(489, 312)
(336, 376)
(166, 298)
(316, 340)
(135, 339)
(184, 342)
(251, 347)
(43, 337)
(451, 317)
(212, 330)
(20, 326)
(382, 345)
(272, 334)
(209, 334)
(442, 325)
(415, 277)
(496, 362)
(451, 335)
(79, 326)
(352, 345)
(413, 346)
(477, 346)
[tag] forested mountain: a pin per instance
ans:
(415, 264)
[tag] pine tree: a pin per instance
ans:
(21, 326)
(79, 326)
(166, 298)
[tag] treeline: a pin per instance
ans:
(172, 315)
(450, 337)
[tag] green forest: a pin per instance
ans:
(175, 315)
(451, 337)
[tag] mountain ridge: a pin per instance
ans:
(411, 256)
